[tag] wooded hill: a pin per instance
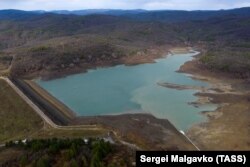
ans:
(41, 43)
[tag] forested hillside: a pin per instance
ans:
(41, 43)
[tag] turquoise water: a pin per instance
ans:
(123, 89)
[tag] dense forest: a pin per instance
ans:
(67, 152)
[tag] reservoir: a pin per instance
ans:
(133, 89)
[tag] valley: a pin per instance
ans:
(104, 51)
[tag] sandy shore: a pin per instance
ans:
(228, 128)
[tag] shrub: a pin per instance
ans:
(39, 49)
(43, 162)
(23, 160)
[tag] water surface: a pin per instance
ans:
(122, 89)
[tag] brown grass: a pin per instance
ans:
(19, 121)
(17, 118)
(228, 127)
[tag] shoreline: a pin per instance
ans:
(115, 123)
(226, 128)
(128, 133)
(127, 127)
(129, 60)
(71, 114)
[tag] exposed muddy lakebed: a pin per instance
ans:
(132, 89)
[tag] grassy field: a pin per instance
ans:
(77, 133)
(17, 118)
